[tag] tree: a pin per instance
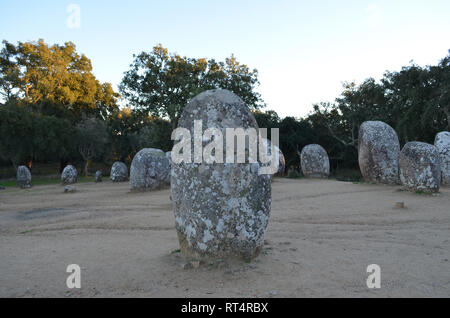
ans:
(16, 133)
(92, 138)
(161, 84)
(156, 134)
(53, 76)
(9, 72)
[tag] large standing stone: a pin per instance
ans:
(442, 143)
(378, 151)
(119, 172)
(420, 168)
(69, 175)
(23, 177)
(149, 169)
(314, 162)
(221, 209)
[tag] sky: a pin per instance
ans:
(303, 50)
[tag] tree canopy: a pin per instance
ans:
(54, 80)
(161, 83)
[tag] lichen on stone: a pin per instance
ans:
(314, 162)
(221, 209)
(378, 152)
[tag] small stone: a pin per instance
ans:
(69, 175)
(195, 264)
(400, 205)
(119, 172)
(23, 177)
(98, 176)
(69, 189)
(314, 162)
(187, 265)
(420, 168)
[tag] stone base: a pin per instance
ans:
(196, 254)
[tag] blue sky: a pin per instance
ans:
(303, 50)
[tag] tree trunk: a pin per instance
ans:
(86, 166)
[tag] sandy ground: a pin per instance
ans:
(322, 236)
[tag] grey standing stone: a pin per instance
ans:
(23, 177)
(420, 168)
(221, 209)
(69, 175)
(378, 152)
(169, 158)
(442, 143)
(314, 162)
(98, 176)
(119, 172)
(149, 169)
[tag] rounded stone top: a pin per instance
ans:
(420, 151)
(217, 108)
(376, 127)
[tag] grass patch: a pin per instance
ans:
(423, 192)
(37, 181)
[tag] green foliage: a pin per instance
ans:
(53, 80)
(161, 84)
(27, 136)
(56, 110)
(16, 132)
(92, 138)
(156, 134)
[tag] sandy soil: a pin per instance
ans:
(322, 236)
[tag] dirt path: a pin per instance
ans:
(321, 237)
